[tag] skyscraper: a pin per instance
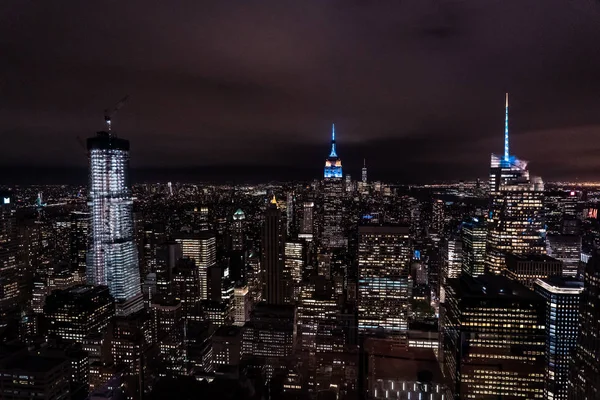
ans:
(112, 258)
(493, 339)
(384, 253)
(273, 254)
(515, 222)
(562, 297)
(201, 247)
(584, 382)
(364, 171)
(237, 236)
(474, 236)
(333, 192)
(452, 259)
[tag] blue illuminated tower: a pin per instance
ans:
(333, 192)
(333, 164)
(515, 220)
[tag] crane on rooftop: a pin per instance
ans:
(108, 114)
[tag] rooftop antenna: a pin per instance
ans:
(333, 153)
(109, 114)
(506, 153)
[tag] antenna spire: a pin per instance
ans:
(506, 153)
(333, 152)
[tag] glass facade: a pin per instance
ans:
(112, 258)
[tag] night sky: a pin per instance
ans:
(252, 87)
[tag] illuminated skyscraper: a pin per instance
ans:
(515, 223)
(452, 254)
(562, 296)
(493, 339)
(384, 253)
(364, 171)
(272, 255)
(112, 258)
(474, 236)
(293, 269)
(584, 383)
(333, 193)
(306, 230)
(237, 236)
(201, 247)
(80, 223)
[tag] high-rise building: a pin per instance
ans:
(364, 171)
(27, 376)
(306, 229)
(79, 312)
(384, 254)
(238, 231)
(200, 247)
(527, 268)
(79, 236)
(584, 383)
(270, 335)
(333, 193)
(452, 259)
(562, 297)
(515, 223)
(9, 258)
(293, 269)
(566, 248)
(438, 215)
(186, 287)
(112, 258)
(493, 343)
(242, 305)
(227, 346)
(273, 254)
(474, 238)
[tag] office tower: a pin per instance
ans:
(133, 351)
(9, 259)
(584, 383)
(112, 258)
(154, 236)
(200, 247)
(527, 268)
(364, 171)
(26, 376)
(186, 287)
(567, 249)
(79, 236)
(238, 231)
(333, 192)
(242, 301)
(515, 223)
(289, 213)
(293, 269)
(167, 332)
(227, 346)
(562, 297)
(270, 335)
(272, 255)
(79, 312)
(493, 331)
(317, 305)
(168, 255)
(400, 372)
(474, 238)
(384, 253)
(452, 254)
(438, 215)
(306, 230)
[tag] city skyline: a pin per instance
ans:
(435, 85)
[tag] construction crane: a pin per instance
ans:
(109, 114)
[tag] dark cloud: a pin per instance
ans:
(415, 87)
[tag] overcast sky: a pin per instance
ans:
(415, 87)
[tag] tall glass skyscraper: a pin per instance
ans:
(515, 223)
(112, 258)
(333, 192)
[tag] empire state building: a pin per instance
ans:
(333, 191)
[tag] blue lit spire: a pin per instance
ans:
(506, 153)
(333, 153)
